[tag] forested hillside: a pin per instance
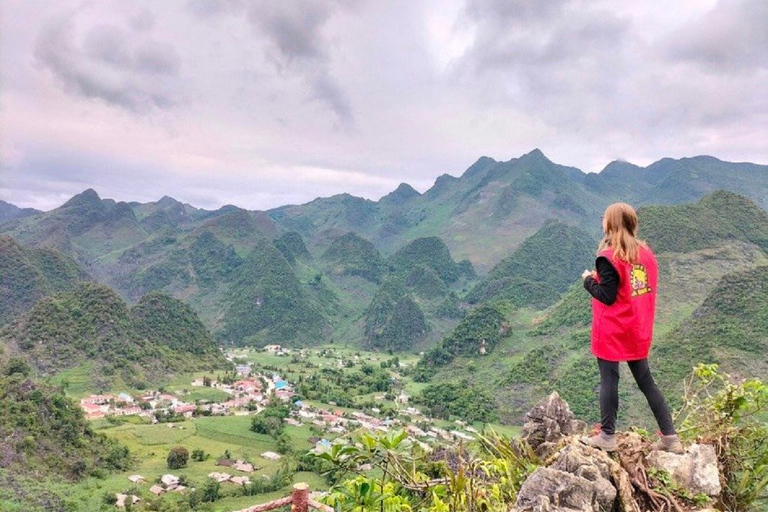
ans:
(93, 326)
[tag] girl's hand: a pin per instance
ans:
(587, 273)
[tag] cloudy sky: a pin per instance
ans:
(262, 103)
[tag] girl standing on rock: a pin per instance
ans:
(623, 289)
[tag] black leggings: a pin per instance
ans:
(609, 395)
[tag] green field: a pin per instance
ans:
(217, 435)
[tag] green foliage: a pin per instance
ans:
(93, 323)
(270, 420)
(393, 320)
(484, 323)
(27, 275)
(730, 327)
(574, 310)
(42, 432)
(177, 458)
(727, 414)
(459, 399)
(267, 303)
(425, 283)
(717, 218)
(340, 387)
(352, 255)
(540, 270)
(211, 259)
(534, 368)
(166, 321)
(291, 245)
(482, 477)
(578, 385)
(428, 252)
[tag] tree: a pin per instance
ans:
(177, 457)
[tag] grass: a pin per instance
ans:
(150, 445)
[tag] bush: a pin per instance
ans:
(177, 457)
(718, 411)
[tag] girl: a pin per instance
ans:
(623, 288)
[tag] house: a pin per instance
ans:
(98, 399)
(156, 490)
(129, 411)
(240, 480)
(243, 466)
(124, 397)
(168, 398)
(273, 348)
(185, 409)
(247, 385)
(219, 477)
(243, 369)
(122, 498)
(137, 479)
(170, 480)
(284, 394)
(271, 456)
(292, 422)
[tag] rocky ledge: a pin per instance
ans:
(579, 478)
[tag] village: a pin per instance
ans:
(248, 393)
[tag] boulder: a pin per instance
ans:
(696, 470)
(548, 423)
(578, 479)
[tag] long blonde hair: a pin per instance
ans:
(620, 228)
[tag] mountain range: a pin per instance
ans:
(494, 253)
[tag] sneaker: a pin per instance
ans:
(669, 444)
(602, 441)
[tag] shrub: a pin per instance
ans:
(177, 457)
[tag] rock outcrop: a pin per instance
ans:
(579, 478)
(548, 423)
(696, 470)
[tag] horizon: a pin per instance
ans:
(421, 192)
(265, 104)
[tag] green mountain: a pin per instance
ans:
(717, 218)
(428, 252)
(331, 245)
(44, 438)
(730, 328)
(93, 325)
(711, 308)
(393, 321)
(9, 211)
(352, 255)
(269, 304)
(540, 270)
(29, 274)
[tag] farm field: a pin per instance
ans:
(221, 436)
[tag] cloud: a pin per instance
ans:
(297, 45)
(732, 37)
(110, 64)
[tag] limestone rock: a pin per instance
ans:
(696, 470)
(548, 423)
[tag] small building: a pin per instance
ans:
(219, 477)
(156, 490)
(137, 479)
(122, 498)
(243, 466)
(169, 480)
(271, 456)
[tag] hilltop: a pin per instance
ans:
(93, 326)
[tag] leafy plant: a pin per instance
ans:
(728, 414)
